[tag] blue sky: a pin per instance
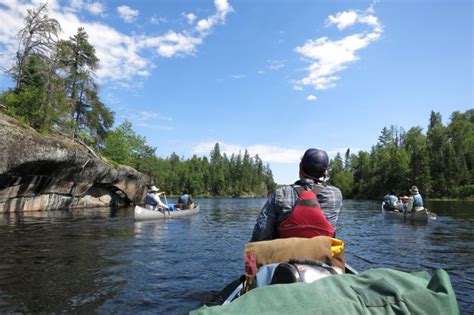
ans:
(273, 77)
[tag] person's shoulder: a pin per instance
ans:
(327, 186)
(283, 190)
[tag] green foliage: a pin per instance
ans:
(90, 118)
(440, 163)
(341, 175)
(124, 146)
(27, 105)
(54, 85)
(219, 176)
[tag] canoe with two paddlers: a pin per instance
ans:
(422, 215)
(142, 213)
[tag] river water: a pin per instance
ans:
(101, 261)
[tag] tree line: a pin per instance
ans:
(440, 162)
(219, 175)
(56, 91)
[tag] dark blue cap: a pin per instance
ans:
(314, 162)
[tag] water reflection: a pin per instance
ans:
(102, 261)
(51, 265)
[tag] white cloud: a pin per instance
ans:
(121, 56)
(93, 7)
(346, 19)
(311, 98)
(172, 44)
(343, 19)
(146, 116)
(327, 58)
(127, 14)
(276, 64)
(96, 8)
(272, 65)
(223, 8)
(75, 5)
(190, 17)
(154, 126)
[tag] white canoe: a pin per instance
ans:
(145, 214)
(417, 216)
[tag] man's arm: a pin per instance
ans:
(159, 202)
(330, 199)
(264, 228)
(275, 209)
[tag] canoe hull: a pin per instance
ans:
(418, 216)
(233, 289)
(145, 214)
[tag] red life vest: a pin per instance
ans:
(306, 218)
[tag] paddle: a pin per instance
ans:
(166, 202)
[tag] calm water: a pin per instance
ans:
(101, 261)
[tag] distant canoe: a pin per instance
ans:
(417, 216)
(145, 214)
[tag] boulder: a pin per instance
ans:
(39, 172)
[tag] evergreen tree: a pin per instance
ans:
(89, 117)
(37, 97)
(38, 38)
(340, 177)
(217, 174)
(417, 148)
(436, 142)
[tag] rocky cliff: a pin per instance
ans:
(50, 172)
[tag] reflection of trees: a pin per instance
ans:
(57, 263)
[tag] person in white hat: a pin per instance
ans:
(416, 200)
(153, 200)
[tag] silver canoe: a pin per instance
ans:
(417, 216)
(145, 214)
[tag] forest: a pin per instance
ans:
(440, 162)
(55, 91)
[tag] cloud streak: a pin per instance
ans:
(327, 58)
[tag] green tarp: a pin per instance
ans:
(377, 291)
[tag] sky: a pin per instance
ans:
(273, 77)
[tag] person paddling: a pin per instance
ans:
(415, 200)
(153, 200)
(392, 202)
(307, 208)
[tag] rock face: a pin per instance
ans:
(48, 172)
